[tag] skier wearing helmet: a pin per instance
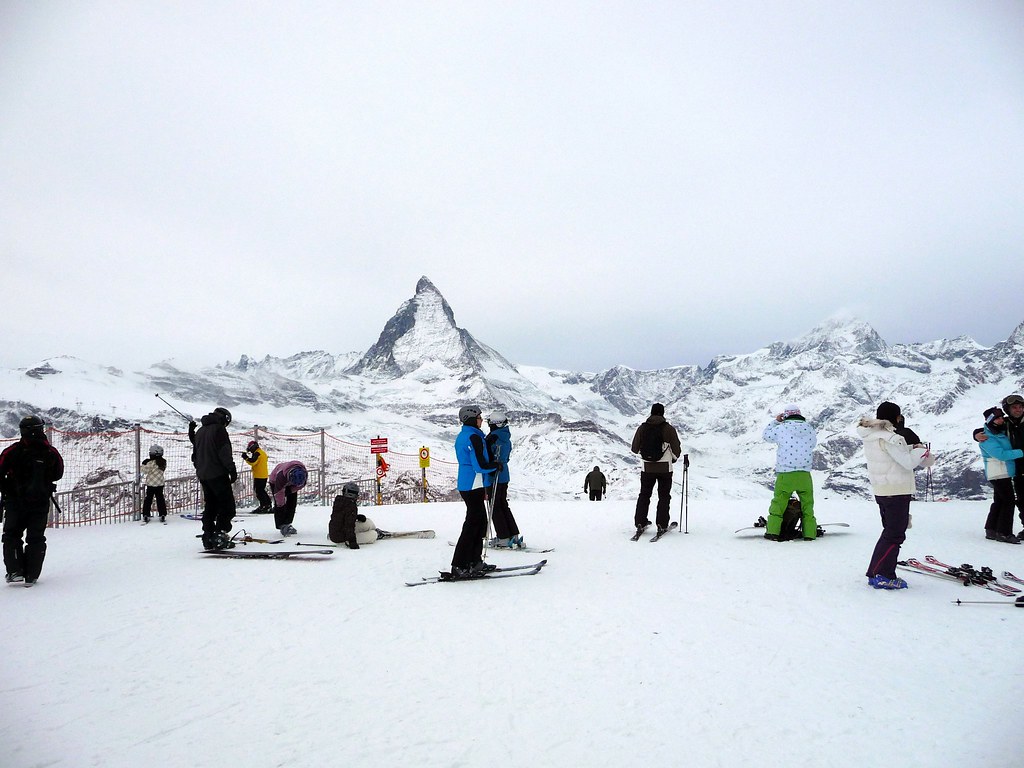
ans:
(215, 468)
(476, 468)
(286, 481)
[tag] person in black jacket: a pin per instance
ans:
(1013, 410)
(215, 468)
(659, 436)
(595, 484)
(29, 471)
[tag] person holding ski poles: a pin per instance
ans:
(499, 446)
(657, 442)
(215, 468)
(476, 472)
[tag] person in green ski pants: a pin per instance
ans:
(795, 440)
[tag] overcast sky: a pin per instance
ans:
(587, 183)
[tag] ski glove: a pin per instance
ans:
(232, 476)
(352, 544)
(360, 518)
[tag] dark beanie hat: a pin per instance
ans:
(992, 413)
(888, 411)
(657, 409)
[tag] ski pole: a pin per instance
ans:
(186, 418)
(686, 493)
(490, 502)
(1018, 603)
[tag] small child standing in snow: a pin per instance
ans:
(153, 474)
(347, 525)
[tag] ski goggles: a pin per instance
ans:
(1013, 400)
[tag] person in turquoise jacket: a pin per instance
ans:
(499, 443)
(476, 470)
(999, 459)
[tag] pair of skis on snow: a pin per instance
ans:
(284, 555)
(445, 577)
(966, 574)
(642, 528)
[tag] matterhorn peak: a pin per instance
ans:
(422, 338)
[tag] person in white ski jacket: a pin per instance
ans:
(795, 439)
(891, 463)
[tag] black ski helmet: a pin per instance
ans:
(32, 426)
(156, 451)
(350, 490)
(224, 414)
(468, 414)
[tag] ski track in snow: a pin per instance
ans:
(703, 649)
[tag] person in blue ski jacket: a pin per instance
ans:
(476, 471)
(999, 460)
(499, 444)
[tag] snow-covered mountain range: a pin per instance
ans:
(411, 382)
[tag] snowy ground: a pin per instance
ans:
(706, 649)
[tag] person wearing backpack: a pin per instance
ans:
(658, 445)
(795, 440)
(29, 471)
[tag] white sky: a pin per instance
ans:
(588, 184)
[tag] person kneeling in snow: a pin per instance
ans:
(286, 481)
(347, 525)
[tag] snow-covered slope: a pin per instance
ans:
(411, 382)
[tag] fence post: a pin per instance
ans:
(136, 512)
(323, 467)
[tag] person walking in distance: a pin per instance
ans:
(215, 468)
(476, 468)
(891, 463)
(795, 440)
(257, 458)
(499, 446)
(29, 470)
(153, 475)
(658, 445)
(595, 483)
(286, 481)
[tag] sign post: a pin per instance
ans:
(424, 463)
(378, 447)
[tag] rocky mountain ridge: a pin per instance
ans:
(412, 380)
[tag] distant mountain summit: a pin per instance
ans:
(422, 341)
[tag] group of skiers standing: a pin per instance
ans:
(483, 474)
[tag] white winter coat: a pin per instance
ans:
(366, 532)
(796, 440)
(891, 461)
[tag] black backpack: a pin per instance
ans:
(31, 474)
(652, 442)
